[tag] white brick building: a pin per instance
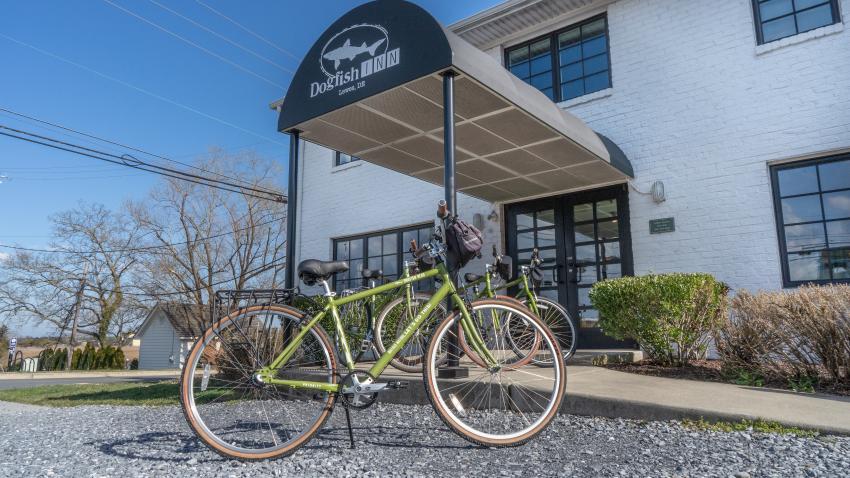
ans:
(697, 99)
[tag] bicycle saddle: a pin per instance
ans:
(470, 277)
(314, 270)
(371, 273)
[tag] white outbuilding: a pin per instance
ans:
(167, 335)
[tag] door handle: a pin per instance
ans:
(579, 267)
(556, 274)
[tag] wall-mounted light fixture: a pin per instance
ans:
(656, 191)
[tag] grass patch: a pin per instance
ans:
(156, 394)
(761, 426)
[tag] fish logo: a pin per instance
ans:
(351, 44)
(348, 52)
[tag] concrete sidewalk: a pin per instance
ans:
(604, 392)
(598, 391)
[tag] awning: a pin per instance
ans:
(371, 87)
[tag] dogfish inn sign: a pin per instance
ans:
(372, 48)
(342, 63)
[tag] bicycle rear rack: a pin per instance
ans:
(228, 301)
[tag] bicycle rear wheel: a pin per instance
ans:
(556, 317)
(236, 414)
(392, 321)
(503, 329)
(502, 404)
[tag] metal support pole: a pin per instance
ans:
(291, 206)
(452, 370)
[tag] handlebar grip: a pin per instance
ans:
(442, 209)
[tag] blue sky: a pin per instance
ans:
(113, 42)
(104, 38)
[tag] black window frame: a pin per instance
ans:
(555, 56)
(402, 253)
(780, 225)
(759, 24)
(338, 156)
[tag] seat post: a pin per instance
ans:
(327, 287)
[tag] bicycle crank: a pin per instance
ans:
(359, 390)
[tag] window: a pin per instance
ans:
(565, 64)
(342, 158)
(812, 201)
(777, 19)
(386, 251)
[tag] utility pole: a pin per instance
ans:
(75, 315)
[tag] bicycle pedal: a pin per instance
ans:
(397, 385)
(365, 345)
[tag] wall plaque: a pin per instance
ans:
(660, 226)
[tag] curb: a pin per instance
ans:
(596, 406)
(105, 374)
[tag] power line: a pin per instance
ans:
(253, 33)
(114, 143)
(228, 40)
(257, 270)
(129, 161)
(141, 249)
(141, 90)
(199, 47)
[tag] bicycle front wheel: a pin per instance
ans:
(504, 403)
(234, 412)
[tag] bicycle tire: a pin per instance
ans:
(188, 377)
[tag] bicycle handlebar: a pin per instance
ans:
(442, 209)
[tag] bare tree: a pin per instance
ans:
(92, 246)
(202, 239)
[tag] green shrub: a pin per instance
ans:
(118, 359)
(134, 364)
(87, 358)
(75, 359)
(671, 316)
(58, 359)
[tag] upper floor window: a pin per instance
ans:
(567, 63)
(777, 19)
(342, 158)
(812, 201)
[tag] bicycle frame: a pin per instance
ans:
(267, 374)
(488, 291)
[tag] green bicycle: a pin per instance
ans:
(270, 377)
(553, 314)
(398, 313)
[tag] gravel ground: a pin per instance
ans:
(395, 440)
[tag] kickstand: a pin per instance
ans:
(350, 432)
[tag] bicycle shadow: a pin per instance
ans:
(178, 447)
(389, 437)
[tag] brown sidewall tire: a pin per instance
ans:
(467, 349)
(445, 416)
(187, 376)
(409, 366)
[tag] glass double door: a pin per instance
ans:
(583, 238)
